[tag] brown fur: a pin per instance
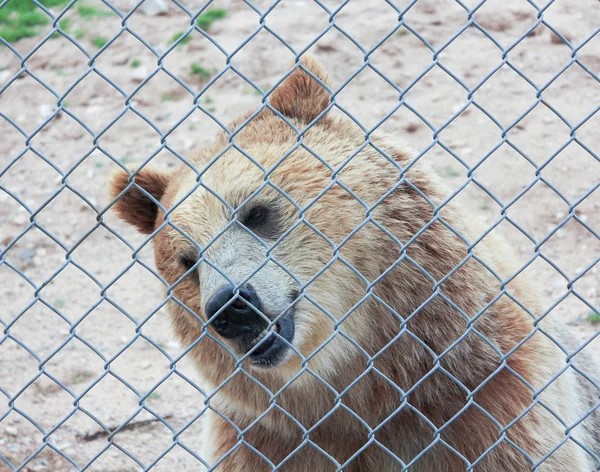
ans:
(435, 354)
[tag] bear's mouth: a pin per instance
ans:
(270, 346)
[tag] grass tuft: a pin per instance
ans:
(167, 97)
(206, 19)
(135, 63)
(178, 35)
(99, 41)
(593, 317)
(22, 18)
(201, 72)
(87, 12)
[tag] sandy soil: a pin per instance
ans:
(67, 322)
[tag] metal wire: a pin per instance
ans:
(129, 106)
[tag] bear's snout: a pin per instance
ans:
(236, 315)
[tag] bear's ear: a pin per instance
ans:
(134, 206)
(300, 96)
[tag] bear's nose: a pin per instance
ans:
(236, 314)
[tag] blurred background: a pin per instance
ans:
(91, 88)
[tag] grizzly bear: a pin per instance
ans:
(344, 313)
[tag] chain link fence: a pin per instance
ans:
(497, 97)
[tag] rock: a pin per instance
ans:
(326, 44)
(120, 59)
(555, 39)
(139, 74)
(27, 255)
(162, 116)
(413, 126)
(154, 7)
(4, 76)
(45, 110)
(11, 430)
(20, 220)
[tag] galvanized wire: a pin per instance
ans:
(402, 102)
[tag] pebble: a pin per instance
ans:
(162, 116)
(154, 7)
(27, 255)
(139, 74)
(413, 126)
(45, 110)
(20, 220)
(11, 430)
(555, 39)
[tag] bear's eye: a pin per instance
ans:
(257, 215)
(187, 262)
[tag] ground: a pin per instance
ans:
(90, 311)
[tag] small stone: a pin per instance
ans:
(20, 220)
(120, 59)
(413, 126)
(154, 7)
(45, 110)
(139, 74)
(162, 116)
(11, 430)
(27, 255)
(555, 39)
(326, 44)
(459, 107)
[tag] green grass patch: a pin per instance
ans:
(201, 72)
(185, 40)
(81, 376)
(135, 63)
(78, 34)
(206, 19)
(451, 173)
(153, 396)
(88, 12)
(99, 41)
(21, 18)
(593, 317)
(99, 165)
(167, 97)
(126, 160)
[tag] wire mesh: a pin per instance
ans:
(12, 388)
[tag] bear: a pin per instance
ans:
(344, 313)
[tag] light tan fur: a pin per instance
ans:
(405, 369)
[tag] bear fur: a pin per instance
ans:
(416, 345)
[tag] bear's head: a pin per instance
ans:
(281, 244)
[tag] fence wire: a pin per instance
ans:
(11, 394)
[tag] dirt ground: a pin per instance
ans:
(78, 308)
